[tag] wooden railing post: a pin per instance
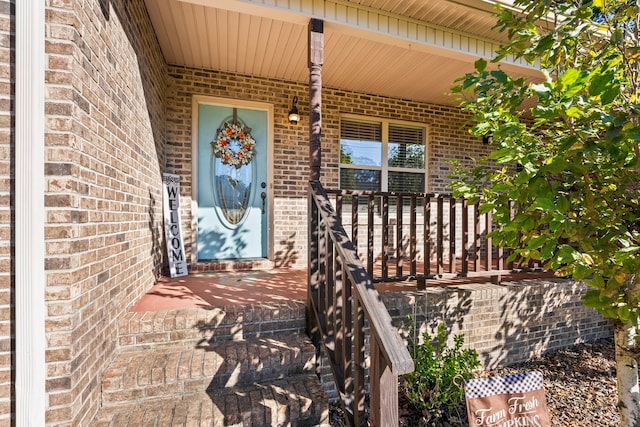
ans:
(439, 235)
(359, 366)
(428, 247)
(477, 245)
(413, 252)
(465, 237)
(452, 235)
(385, 236)
(371, 204)
(384, 389)
(399, 241)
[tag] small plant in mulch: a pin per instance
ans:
(436, 387)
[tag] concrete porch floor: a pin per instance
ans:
(225, 288)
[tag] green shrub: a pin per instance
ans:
(436, 387)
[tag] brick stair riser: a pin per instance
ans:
(191, 338)
(292, 402)
(145, 375)
(191, 328)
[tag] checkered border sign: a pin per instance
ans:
(507, 384)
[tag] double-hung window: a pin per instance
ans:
(382, 155)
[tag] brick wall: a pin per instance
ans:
(506, 323)
(105, 142)
(7, 91)
(448, 139)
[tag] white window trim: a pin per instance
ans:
(385, 168)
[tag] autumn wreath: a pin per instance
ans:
(234, 145)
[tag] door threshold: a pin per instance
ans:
(232, 265)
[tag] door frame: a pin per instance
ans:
(233, 103)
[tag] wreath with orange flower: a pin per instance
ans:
(234, 145)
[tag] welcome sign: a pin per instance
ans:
(507, 401)
(172, 227)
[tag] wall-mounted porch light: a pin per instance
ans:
(487, 138)
(294, 116)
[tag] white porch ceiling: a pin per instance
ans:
(411, 49)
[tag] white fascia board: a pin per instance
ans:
(489, 6)
(30, 279)
(485, 5)
(373, 24)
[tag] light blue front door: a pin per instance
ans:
(232, 191)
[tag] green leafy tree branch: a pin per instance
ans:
(563, 176)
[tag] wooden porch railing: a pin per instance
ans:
(422, 236)
(341, 297)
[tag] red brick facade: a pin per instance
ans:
(448, 139)
(105, 78)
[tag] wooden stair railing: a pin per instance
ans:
(341, 296)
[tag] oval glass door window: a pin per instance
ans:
(232, 191)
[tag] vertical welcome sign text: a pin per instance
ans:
(172, 227)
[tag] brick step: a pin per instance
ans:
(148, 374)
(194, 326)
(297, 401)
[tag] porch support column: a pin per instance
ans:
(316, 58)
(30, 308)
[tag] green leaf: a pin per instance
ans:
(502, 188)
(575, 112)
(529, 224)
(548, 250)
(594, 298)
(545, 204)
(545, 43)
(580, 271)
(486, 208)
(537, 242)
(634, 133)
(500, 76)
(597, 281)
(563, 203)
(480, 65)
(504, 155)
(481, 128)
(610, 95)
(567, 254)
(573, 82)
(599, 83)
(624, 313)
(613, 134)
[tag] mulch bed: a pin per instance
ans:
(580, 389)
